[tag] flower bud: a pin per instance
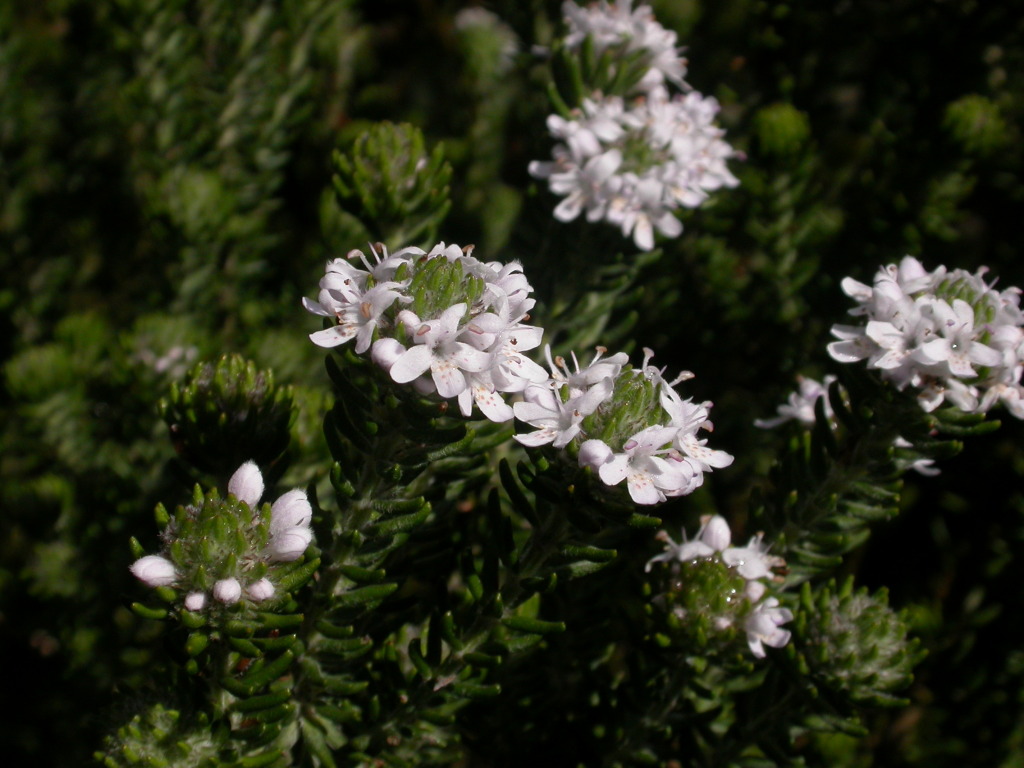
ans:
(154, 571)
(195, 601)
(247, 484)
(260, 590)
(289, 544)
(227, 591)
(716, 533)
(385, 352)
(291, 510)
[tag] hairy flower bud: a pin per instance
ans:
(291, 510)
(247, 484)
(227, 591)
(260, 590)
(289, 544)
(154, 571)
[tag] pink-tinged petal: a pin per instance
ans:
(855, 289)
(599, 169)
(984, 355)
(448, 379)
(315, 307)
(569, 208)
(466, 402)
(614, 471)
(488, 322)
(537, 438)
(691, 550)
(851, 351)
(642, 488)
(333, 337)
(533, 413)
(469, 358)
(492, 405)
(566, 436)
(670, 226)
(413, 363)
(643, 233)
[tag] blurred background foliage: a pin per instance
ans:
(166, 199)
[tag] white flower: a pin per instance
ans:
(956, 347)
(154, 571)
(636, 30)
(437, 349)
(227, 591)
(558, 422)
(635, 166)
(648, 476)
(946, 333)
(800, 405)
(247, 484)
(762, 626)
(753, 560)
(260, 590)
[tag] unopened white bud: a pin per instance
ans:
(594, 453)
(260, 590)
(227, 590)
(195, 601)
(154, 571)
(247, 484)
(385, 352)
(291, 510)
(289, 544)
(716, 533)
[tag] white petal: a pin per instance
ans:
(414, 362)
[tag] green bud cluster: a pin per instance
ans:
(634, 405)
(705, 603)
(854, 643)
(217, 538)
(229, 412)
(435, 284)
(970, 288)
(579, 72)
(389, 181)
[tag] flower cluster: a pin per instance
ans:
(627, 31)
(227, 549)
(443, 321)
(632, 160)
(449, 324)
(624, 423)
(711, 559)
(947, 334)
